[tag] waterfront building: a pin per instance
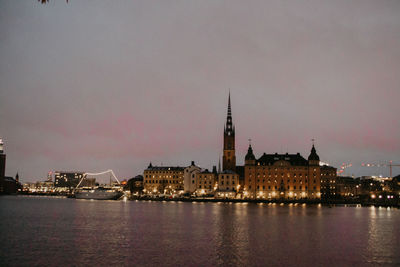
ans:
(199, 181)
(39, 187)
(2, 166)
(328, 182)
(282, 176)
(228, 184)
(164, 180)
(190, 181)
(67, 179)
(205, 182)
(348, 187)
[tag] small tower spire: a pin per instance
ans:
(313, 158)
(229, 104)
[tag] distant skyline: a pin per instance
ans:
(91, 86)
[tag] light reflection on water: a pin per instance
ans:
(54, 231)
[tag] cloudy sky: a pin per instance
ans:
(95, 85)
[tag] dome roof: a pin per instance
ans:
(250, 155)
(313, 154)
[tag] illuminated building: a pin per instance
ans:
(190, 181)
(199, 181)
(328, 182)
(228, 184)
(67, 179)
(165, 180)
(205, 182)
(282, 176)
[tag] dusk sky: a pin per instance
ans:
(96, 85)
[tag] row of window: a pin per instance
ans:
(283, 168)
(200, 182)
(282, 175)
(227, 182)
(288, 181)
(205, 182)
(205, 176)
(161, 182)
(161, 172)
(163, 176)
(328, 174)
(276, 187)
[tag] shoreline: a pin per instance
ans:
(310, 202)
(332, 202)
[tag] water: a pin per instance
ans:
(40, 231)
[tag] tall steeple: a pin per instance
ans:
(229, 127)
(229, 158)
(229, 104)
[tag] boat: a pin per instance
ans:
(102, 192)
(99, 193)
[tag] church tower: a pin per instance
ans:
(229, 158)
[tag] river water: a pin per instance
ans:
(45, 231)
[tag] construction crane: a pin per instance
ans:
(389, 164)
(343, 167)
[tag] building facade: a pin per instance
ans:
(189, 178)
(163, 180)
(205, 182)
(228, 181)
(282, 176)
(328, 182)
(67, 179)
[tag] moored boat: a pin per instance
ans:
(99, 193)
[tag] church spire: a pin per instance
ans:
(229, 127)
(229, 158)
(229, 105)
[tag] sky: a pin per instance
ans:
(96, 85)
